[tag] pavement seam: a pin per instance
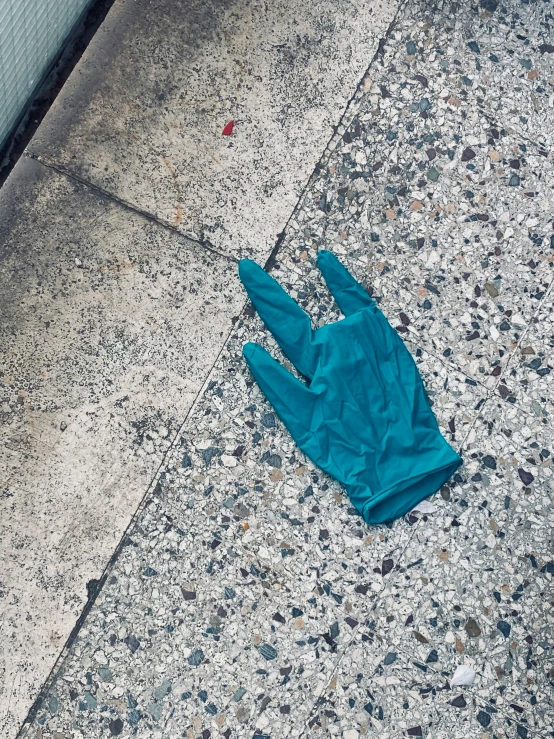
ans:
(527, 330)
(348, 112)
(64, 172)
(99, 584)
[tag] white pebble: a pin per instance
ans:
(464, 675)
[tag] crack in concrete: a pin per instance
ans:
(96, 585)
(61, 170)
(347, 115)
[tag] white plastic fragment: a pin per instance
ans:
(424, 506)
(464, 675)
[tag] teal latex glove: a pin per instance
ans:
(365, 418)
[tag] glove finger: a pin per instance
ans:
(348, 293)
(289, 324)
(291, 399)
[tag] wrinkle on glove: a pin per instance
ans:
(365, 418)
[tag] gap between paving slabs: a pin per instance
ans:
(126, 205)
(226, 394)
(95, 587)
(284, 73)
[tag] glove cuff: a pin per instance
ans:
(427, 474)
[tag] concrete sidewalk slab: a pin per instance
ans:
(378, 691)
(505, 55)
(248, 598)
(110, 325)
(143, 114)
(449, 213)
(245, 576)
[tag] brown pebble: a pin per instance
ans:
(472, 628)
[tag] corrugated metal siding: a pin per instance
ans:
(32, 34)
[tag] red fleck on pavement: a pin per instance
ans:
(228, 130)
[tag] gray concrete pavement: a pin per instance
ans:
(249, 599)
(109, 326)
(142, 117)
(111, 318)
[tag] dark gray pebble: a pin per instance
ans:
(268, 421)
(504, 627)
(115, 727)
(483, 718)
(525, 477)
(267, 651)
(132, 642)
(196, 658)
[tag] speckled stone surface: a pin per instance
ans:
(247, 557)
(476, 580)
(161, 80)
(449, 212)
(249, 599)
(377, 691)
(109, 325)
(505, 54)
(529, 383)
